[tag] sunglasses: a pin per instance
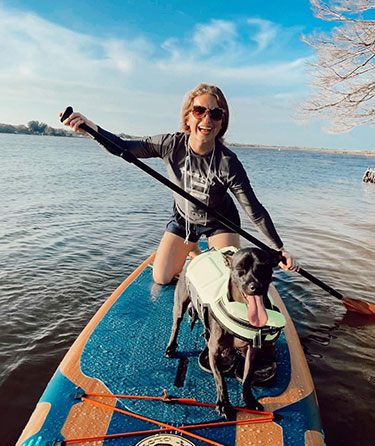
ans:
(216, 114)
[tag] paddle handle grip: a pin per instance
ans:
(110, 145)
(68, 111)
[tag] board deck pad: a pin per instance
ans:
(125, 353)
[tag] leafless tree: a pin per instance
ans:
(342, 73)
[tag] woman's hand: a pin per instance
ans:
(291, 264)
(76, 119)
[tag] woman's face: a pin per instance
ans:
(203, 131)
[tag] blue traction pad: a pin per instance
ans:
(60, 393)
(126, 352)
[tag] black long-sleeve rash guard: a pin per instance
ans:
(208, 177)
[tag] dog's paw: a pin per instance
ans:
(170, 352)
(259, 406)
(253, 404)
(225, 410)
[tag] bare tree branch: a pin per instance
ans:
(342, 74)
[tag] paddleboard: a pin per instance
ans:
(102, 387)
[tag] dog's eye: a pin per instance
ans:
(241, 272)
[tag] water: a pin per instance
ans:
(74, 221)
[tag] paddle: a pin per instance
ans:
(351, 304)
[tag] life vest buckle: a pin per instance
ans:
(257, 340)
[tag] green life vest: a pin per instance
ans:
(208, 282)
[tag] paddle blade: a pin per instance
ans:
(358, 306)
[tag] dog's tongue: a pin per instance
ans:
(256, 313)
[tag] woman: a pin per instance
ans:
(197, 161)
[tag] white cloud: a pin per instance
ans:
(217, 34)
(130, 85)
(265, 74)
(118, 56)
(225, 50)
(36, 48)
(266, 33)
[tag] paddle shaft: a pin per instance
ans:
(321, 284)
(129, 157)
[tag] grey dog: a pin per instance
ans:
(250, 277)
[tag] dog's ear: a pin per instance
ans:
(228, 257)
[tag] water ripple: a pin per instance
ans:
(75, 221)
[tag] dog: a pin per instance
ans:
(250, 276)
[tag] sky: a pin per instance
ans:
(127, 64)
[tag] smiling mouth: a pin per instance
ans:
(205, 130)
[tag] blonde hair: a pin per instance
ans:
(221, 101)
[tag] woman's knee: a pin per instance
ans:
(162, 277)
(170, 258)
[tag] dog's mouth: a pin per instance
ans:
(256, 311)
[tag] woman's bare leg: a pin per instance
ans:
(170, 257)
(223, 240)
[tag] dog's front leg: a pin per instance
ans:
(223, 405)
(247, 394)
(181, 302)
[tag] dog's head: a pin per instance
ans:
(251, 275)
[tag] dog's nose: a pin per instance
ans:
(252, 287)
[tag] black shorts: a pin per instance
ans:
(176, 225)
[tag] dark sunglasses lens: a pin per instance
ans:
(199, 111)
(216, 114)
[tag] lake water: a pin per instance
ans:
(74, 221)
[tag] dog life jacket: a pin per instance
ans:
(207, 279)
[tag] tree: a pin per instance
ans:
(342, 74)
(7, 128)
(37, 127)
(33, 126)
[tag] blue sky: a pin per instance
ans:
(127, 65)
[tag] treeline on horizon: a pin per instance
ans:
(41, 128)
(34, 128)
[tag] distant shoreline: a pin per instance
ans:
(41, 129)
(305, 149)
